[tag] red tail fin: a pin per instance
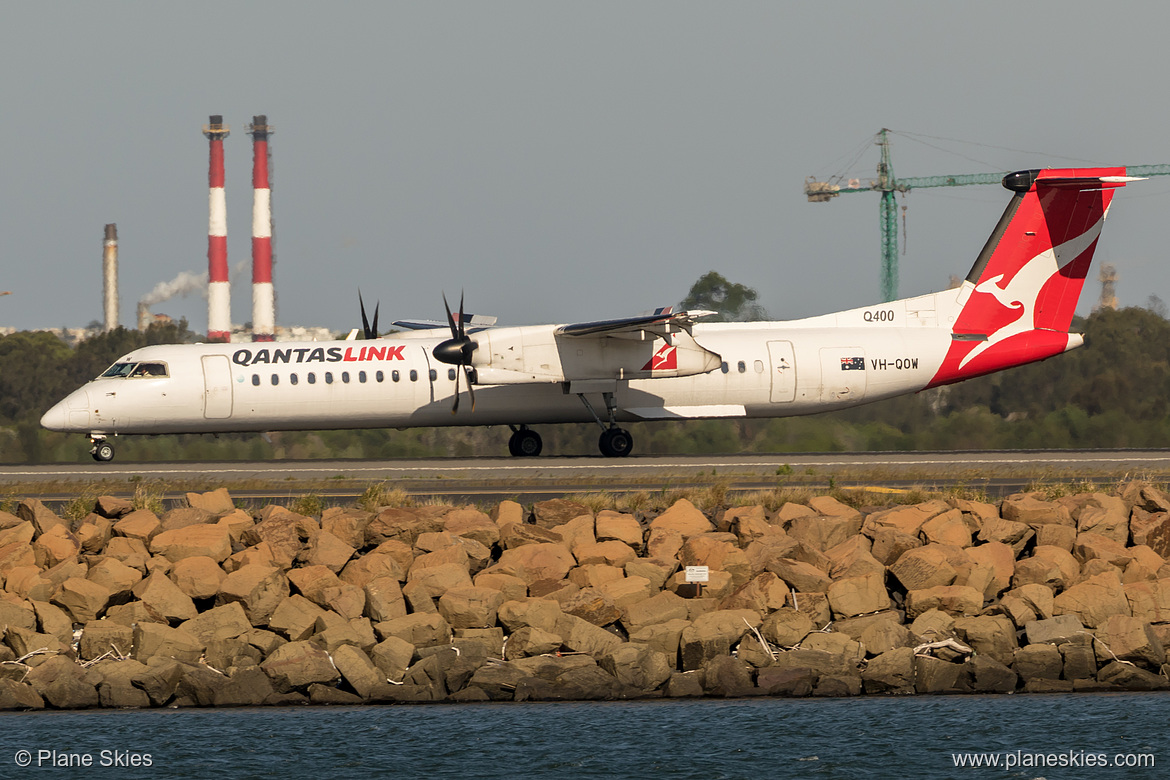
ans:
(1021, 294)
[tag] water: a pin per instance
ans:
(706, 740)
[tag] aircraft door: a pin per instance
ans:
(783, 371)
(217, 387)
(842, 374)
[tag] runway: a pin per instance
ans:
(480, 478)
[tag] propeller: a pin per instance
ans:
(370, 333)
(457, 351)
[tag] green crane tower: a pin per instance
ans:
(887, 185)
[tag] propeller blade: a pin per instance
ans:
(374, 333)
(450, 319)
(365, 322)
(455, 407)
(462, 326)
(470, 392)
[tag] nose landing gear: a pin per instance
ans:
(102, 451)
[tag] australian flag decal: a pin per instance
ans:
(853, 364)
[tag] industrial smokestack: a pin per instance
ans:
(219, 312)
(110, 278)
(263, 297)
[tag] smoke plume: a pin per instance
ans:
(182, 285)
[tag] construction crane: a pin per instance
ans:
(887, 185)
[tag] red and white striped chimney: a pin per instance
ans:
(263, 297)
(219, 311)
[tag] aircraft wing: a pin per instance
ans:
(657, 323)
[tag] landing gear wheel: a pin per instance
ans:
(103, 451)
(525, 443)
(616, 443)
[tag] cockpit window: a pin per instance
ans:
(136, 370)
(120, 369)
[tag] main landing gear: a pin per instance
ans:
(615, 442)
(102, 451)
(525, 443)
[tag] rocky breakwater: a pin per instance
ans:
(210, 605)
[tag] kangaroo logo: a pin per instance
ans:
(1022, 293)
(665, 359)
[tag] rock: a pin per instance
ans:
(1015, 535)
(134, 612)
(510, 587)
(384, 600)
(392, 657)
(1002, 562)
(371, 566)
(886, 636)
(825, 532)
(992, 635)
(683, 517)
(713, 635)
(99, 637)
(1032, 511)
(224, 622)
(859, 595)
(683, 685)
(763, 593)
(786, 627)
(593, 574)
(248, 686)
(199, 577)
(1038, 662)
(358, 670)
(557, 511)
(592, 605)
(536, 562)
(889, 544)
(1093, 546)
(538, 613)
(470, 607)
(295, 617)
(991, 676)
(530, 641)
(1106, 516)
(154, 640)
(211, 541)
(113, 507)
(1053, 630)
(663, 543)
(141, 524)
(82, 599)
(63, 685)
(905, 519)
(1123, 638)
(934, 675)
(656, 571)
(1131, 678)
(164, 597)
(890, 672)
(952, 599)
(55, 545)
(801, 576)
(1094, 600)
(1080, 662)
(1050, 566)
(215, 502)
(637, 666)
(728, 677)
(611, 553)
(259, 589)
(610, 525)
(925, 567)
(31, 510)
(298, 665)
(327, 550)
(948, 528)
(788, 681)
(583, 637)
(418, 629)
(663, 637)
(852, 558)
(1052, 535)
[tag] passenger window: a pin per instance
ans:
(292, 378)
(328, 377)
(256, 380)
(723, 367)
(362, 376)
(395, 375)
(345, 377)
(742, 368)
(434, 375)
(413, 375)
(312, 378)
(380, 376)
(451, 374)
(275, 379)
(759, 366)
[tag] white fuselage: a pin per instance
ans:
(766, 369)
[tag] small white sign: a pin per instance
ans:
(698, 574)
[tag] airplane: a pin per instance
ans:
(1015, 307)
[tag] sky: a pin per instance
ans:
(555, 162)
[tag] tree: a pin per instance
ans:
(733, 302)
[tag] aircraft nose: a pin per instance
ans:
(71, 414)
(56, 419)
